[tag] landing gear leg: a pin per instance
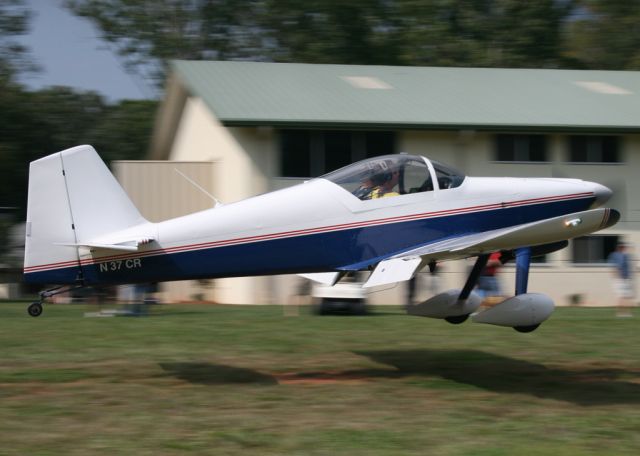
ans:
(523, 261)
(471, 282)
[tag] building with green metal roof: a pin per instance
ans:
(263, 126)
(328, 96)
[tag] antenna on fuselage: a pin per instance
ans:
(195, 184)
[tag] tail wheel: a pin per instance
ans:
(35, 309)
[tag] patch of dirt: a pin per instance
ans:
(319, 378)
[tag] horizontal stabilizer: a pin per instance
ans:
(126, 246)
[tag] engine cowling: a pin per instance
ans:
(527, 310)
(446, 305)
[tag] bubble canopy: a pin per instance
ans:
(399, 174)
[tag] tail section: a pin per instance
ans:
(73, 198)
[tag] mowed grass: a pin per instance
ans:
(249, 380)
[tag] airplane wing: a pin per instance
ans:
(403, 265)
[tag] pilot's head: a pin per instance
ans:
(383, 172)
(389, 174)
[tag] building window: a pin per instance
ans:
(521, 148)
(337, 150)
(593, 249)
(294, 148)
(594, 149)
(311, 153)
(379, 143)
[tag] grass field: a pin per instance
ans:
(247, 380)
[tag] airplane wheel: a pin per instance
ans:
(526, 329)
(35, 309)
(457, 319)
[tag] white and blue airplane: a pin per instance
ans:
(392, 215)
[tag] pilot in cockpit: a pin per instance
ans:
(364, 190)
(385, 182)
(370, 180)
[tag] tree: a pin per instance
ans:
(14, 21)
(507, 33)
(43, 122)
(123, 131)
(147, 34)
(482, 33)
(38, 123)
(332, 31)
(606, 35)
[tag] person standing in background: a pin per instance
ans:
(622, 263)
(488, 283)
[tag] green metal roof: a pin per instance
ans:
(283, 94)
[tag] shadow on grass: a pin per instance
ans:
(487, 371)
(501, 374)
(216, 374)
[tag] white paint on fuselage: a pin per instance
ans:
(319, 203)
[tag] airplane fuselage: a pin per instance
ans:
(318, 226)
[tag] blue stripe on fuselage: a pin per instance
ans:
(306, 253)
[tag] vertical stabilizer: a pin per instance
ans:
(73, 198)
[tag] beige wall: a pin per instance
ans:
(245, 160)
(160, 193)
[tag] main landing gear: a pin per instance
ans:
(523, 261)
(523, 312)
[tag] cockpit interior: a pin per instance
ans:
(394, 175)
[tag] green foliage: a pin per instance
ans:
(499, 33)
(39, 123)
(317, 31)
(485, 33)
(475, 33)
(123, 130)
(607, 35)
(148, 33)
(14, 21)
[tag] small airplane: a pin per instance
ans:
(392, 215)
